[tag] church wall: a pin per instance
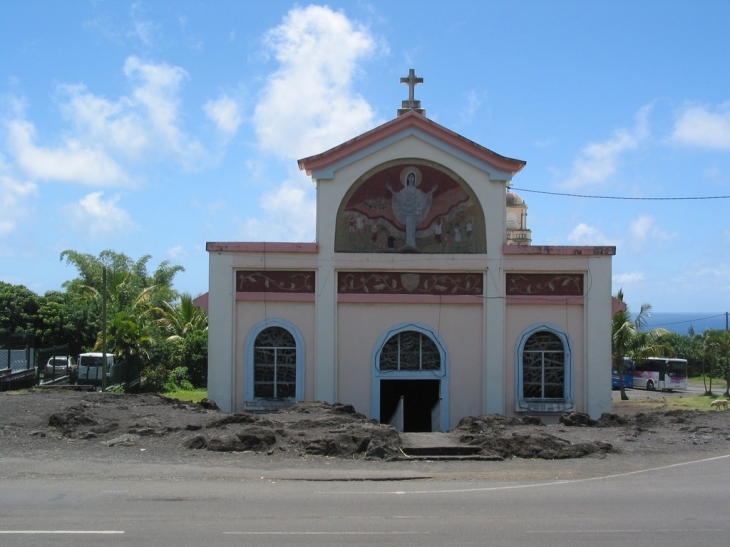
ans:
(360, 326)
(221, 333)
(249, 314)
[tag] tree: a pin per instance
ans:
(628, 340)
(129, 341)
(135, 299)
(126, 279)
(182, 318)
(18, 308)
(715, 351)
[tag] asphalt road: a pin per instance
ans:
(692, 390)
(676, 505)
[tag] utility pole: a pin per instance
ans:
(103, 330)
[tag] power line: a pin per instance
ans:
(618, 197)
(685, 321)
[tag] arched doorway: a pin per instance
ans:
(410, 369)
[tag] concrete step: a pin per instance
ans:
(439, 446)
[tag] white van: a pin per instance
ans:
(90, 367)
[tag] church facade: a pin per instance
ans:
(422, 300)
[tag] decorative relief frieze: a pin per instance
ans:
(275, 281)
(409, 283)
(549, 284)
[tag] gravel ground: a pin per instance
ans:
(70, 433)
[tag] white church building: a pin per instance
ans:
(422, 299)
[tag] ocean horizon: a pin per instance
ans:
(681, 322)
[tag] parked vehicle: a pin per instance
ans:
(90, 367)
(60, 365)
(661, 373)
(628, 375)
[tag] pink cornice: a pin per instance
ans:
(261, 247)
(411, 119)
(557, 250)
(408, 299)
(274, 297)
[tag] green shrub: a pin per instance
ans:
(178, 379)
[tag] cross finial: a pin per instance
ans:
(411, 104)
(412, 82)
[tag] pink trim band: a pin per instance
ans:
(274, 297)
(408, 299)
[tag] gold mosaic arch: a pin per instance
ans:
(410, 206)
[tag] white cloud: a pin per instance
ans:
(583, 234)
(143, 30)
(643, 231)
(600, 160)
(699, 126)
(290, 212)
(472, 102)
(628, 278)
(99, 219)
(694, 278)
(14, 196)
(115, 124)
(157, 94)
(177, 252)
(73, 161)
(225, 112)
(308, 105)
(144, 126)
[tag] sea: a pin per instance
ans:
(681, 322)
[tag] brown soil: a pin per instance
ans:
(71, 425)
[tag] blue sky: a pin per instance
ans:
(152, 127)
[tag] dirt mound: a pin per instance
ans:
(495, 435)
(315, 429)
(58, 424)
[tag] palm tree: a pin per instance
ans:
(181, 318)
(628, 340)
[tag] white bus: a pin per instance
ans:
(661, 373)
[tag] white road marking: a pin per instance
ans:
(519, 486)
(32, 532)
(679, 531)
(325, 533)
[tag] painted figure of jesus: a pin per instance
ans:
(411, 205)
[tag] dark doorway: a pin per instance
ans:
(419, 396)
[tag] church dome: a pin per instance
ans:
(513, 199)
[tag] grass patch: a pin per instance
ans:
(191, 395)
(699, 402)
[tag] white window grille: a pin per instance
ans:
(543, 367)
(275, 364)
(410, 351)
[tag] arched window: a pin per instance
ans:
(543, 367)
(410, 350)
(274, 362)
(544, 370)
